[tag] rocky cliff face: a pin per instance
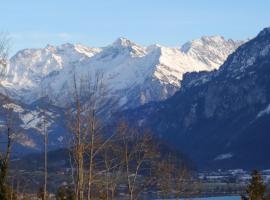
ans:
(28, 122)
(135, 75)
(224, 112)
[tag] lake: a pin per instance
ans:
(217, 198)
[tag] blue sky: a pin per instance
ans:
(35, 23)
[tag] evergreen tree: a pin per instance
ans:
(256, 188)
(65, 193)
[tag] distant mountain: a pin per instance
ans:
(221, 119)
(27, 124)
(134, 74)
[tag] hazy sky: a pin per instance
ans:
(35, 23)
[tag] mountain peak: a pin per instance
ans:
(67, 45)
(264, 32)
(205, 41)
(132, 67)
(123, 42)
(217, 38)
(62, 47)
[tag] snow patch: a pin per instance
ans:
(16, 108)
(265, 111)
(25, 141)
(265, 51)
(60, 138)
(224, 156)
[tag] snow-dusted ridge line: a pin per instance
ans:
(31, 119)
(265, 111)
(132, 72)
(224, 156)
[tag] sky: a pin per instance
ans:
(36, 23)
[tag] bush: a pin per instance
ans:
(65, 193)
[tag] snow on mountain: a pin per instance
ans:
(224, 156)
(265, 111)
(224, 113)
(134, 74)
(211, 50)
(29, 121)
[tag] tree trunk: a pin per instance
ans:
(45, 160)
(90, 175)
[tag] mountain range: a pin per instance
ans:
(220, 118)
(208, 98)
(133, 74)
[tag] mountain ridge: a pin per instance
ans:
(219, 118)
(137, 74)
(128, 68)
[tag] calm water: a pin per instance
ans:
(210, 198)
(218, 198)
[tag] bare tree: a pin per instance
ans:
(44, 127)
(89, 100)
(173, 177)
(7, 136)
(138, 151)
(6, 130)
(75, 120)
(45, 160)
(113, 168)
(4, 53)
(95, 97)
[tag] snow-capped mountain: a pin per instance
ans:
(133, 73)
(220, 118)
(28, 122)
